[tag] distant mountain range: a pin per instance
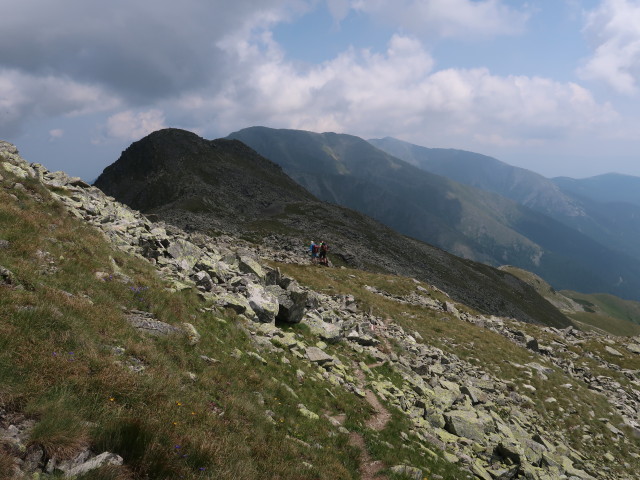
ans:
(223, 186)
(471, 205)
(605, 208)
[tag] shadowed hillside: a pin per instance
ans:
(180, 177)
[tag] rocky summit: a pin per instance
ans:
(352, 374)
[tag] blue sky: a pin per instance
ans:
(548, 85)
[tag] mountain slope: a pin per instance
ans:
(607, 188)
(463, 220)
(139, 178)
(602, 207)
(119, 363)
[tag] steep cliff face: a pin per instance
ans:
(223, 186)
(169, 344)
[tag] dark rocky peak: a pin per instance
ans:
(173, 165)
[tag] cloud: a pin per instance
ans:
(399, 93)
(448, 18)
(612, 30)
(137, 53)
(144, 50)
(129, 125)
(25, 95)
(55, 134)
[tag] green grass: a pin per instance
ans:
(58, 366)
(574, 410)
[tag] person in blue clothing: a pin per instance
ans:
(314, 249)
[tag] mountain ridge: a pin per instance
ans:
(466, 221)
(355, 238)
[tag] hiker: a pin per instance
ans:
(314, 249)
(324, 248)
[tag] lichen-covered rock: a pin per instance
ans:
(146, 323)
(264, 304)
(465, 423)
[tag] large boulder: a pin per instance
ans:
(263, 303)
(465, 423)
(293, 304)
(184, 253)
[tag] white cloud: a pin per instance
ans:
(448, 18)
(399, 93)
(141, 52)
(129, 125)
(614, 33)
(24, 95)
(55, 133)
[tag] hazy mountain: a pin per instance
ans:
(593, 206)
(487, 173)
(224, 186)
(466, 221)
(607, 188)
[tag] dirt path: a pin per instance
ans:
(369, 468)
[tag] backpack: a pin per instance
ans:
(324, 247)
(314, 249)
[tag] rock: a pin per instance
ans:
(465, 423)
(17, 171)
(146, 323)
(305, 412)
(362, 339)
(4, 244)
(101, 460)
(249, 265)
(542, 370)
(293, 304)
(257, 357)
(531, 343)
(612, 351)
(203, 281)
(410, 472)
(7, 277)
(634, 348)
(263, 303)
(475, 394)
(328, 332)
(315, 355)
(193, 337)
(184, 253)
(236, 303)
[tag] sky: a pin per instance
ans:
(548, 85)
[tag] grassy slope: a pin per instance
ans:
(59, 366)
(599, 311)
(579, 414)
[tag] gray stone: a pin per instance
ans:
(7, 277)
(292, 304)
(193, 337)
(184, 252)
(316, 355)
(465, 423)
(146, 323)
(612, 351)
(101, 460)
(203, 281)
(411, 472)
(249, 265)
(634, 348)
(263, 303)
